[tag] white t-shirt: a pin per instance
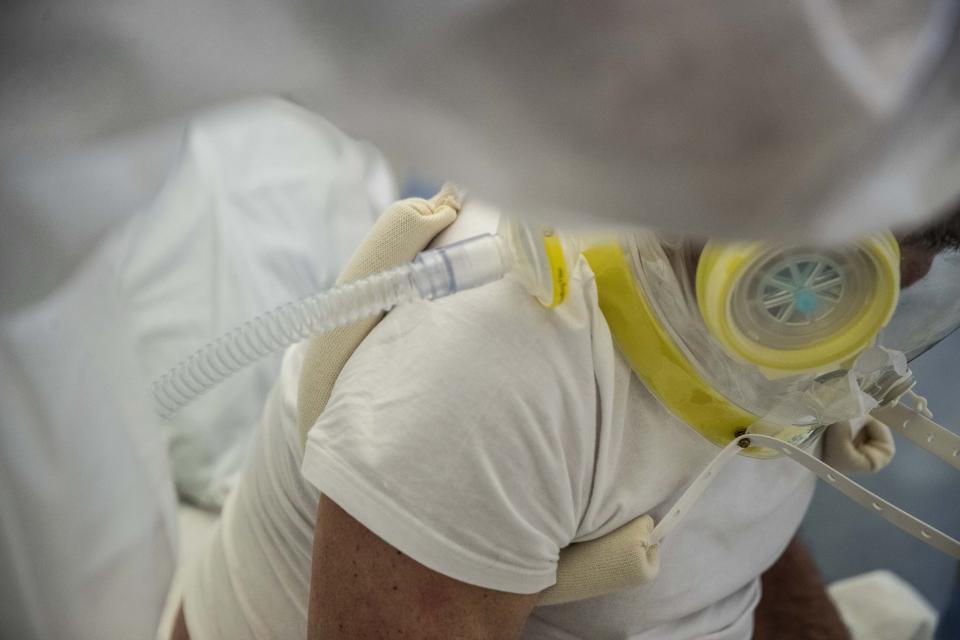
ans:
(480, 434)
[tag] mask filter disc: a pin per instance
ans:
(792, 310)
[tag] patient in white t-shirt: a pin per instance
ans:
(466, 442)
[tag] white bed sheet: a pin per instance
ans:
(95, 303)
(195, 526)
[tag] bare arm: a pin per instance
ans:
(795, 604)
(361, 587)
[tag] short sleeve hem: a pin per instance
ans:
(402, 530)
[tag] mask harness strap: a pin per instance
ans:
(922, 431)
(944, 448)
(694, 491)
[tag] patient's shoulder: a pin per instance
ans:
(472, 419)
(486, 336)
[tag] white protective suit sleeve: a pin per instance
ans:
(696, 117)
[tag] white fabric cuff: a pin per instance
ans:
(401, 530)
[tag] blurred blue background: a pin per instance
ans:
(846, 539)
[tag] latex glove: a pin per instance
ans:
(860, 446)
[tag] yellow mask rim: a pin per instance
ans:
(722, 265)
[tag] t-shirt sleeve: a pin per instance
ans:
(462, 432)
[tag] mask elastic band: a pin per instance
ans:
(922, 431)
(865, 498)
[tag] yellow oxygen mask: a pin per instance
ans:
(792, 310)
(760, 347)
(737, 338)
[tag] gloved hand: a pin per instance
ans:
(623, 558)
(864, 450)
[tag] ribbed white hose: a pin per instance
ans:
(434, 274)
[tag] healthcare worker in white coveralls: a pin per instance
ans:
(617, 439)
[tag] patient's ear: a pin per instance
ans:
(919, 248)
(915, 263)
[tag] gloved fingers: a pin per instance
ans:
(404, 229)
(866, 449)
